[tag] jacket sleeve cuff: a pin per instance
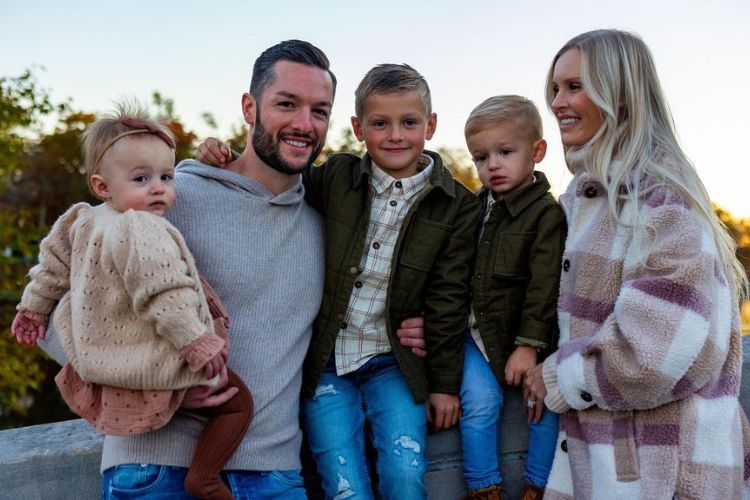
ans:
(554, 400)
(534, 334)
(201, 350)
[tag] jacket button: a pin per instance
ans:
(479, 276)
(590, 192)
(586, 397)
(353, 270)
(564, 445)
(398, 184)
(376, 245)
(344, 325)
(357, 284)
(340, 316)
(566, 265)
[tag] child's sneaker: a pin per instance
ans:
(493, 492)
(531, 492)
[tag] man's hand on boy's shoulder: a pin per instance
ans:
(213, 152)
(411, 334)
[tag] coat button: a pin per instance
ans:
(590, 192)
(340, 316)
(479, 276)
(586, 397)
(376, 245)
(566, 265)
(353, 270)
(357, 284)
(564, 445)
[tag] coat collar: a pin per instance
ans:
(516, 202)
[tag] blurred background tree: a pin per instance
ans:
(41, 176)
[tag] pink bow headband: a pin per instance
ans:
(136, 127)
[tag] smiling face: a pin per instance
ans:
(137, 173)
(394, 127)
(291, 117)
(505, 155)
(577, 115)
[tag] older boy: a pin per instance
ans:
(515, 289)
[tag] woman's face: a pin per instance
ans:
(577, 115)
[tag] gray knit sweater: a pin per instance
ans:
(264, 255)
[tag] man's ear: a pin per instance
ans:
(357, 128)
(540, 150)
(431, 126)
(99, 187)
(248, 108)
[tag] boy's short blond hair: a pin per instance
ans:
(500, 109)
(390, 79)
(127, 116)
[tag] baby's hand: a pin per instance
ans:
(27, 328)
(213, 152)
(214, 366)
(523, 358)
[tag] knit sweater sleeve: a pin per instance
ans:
(163, 284)
(50, 279)
(668, 333)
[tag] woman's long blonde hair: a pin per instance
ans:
(637, 138)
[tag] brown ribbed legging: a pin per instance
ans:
(218, 441)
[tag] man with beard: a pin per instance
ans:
(261, 247)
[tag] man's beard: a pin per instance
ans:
(268, 150)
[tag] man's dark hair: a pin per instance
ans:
(296, 51)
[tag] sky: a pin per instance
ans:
(200, 54)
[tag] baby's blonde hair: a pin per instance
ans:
(500, 109)
(129, 117)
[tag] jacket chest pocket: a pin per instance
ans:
(511, 256)
(422, 244)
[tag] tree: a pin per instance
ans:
(184, 138)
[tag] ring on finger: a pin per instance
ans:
(531, 403)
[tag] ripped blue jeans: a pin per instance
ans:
(334, 422)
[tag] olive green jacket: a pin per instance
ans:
(430, 272)
(517, 273)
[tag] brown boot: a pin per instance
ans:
(531, 492)
(489, 493)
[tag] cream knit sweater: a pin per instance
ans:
(131, 309)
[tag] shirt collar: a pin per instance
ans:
(382, 182)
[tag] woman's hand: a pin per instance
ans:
(534, 392)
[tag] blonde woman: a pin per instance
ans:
(648, 370)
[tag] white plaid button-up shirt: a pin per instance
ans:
(363, 334)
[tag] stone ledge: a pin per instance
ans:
(61, 461)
